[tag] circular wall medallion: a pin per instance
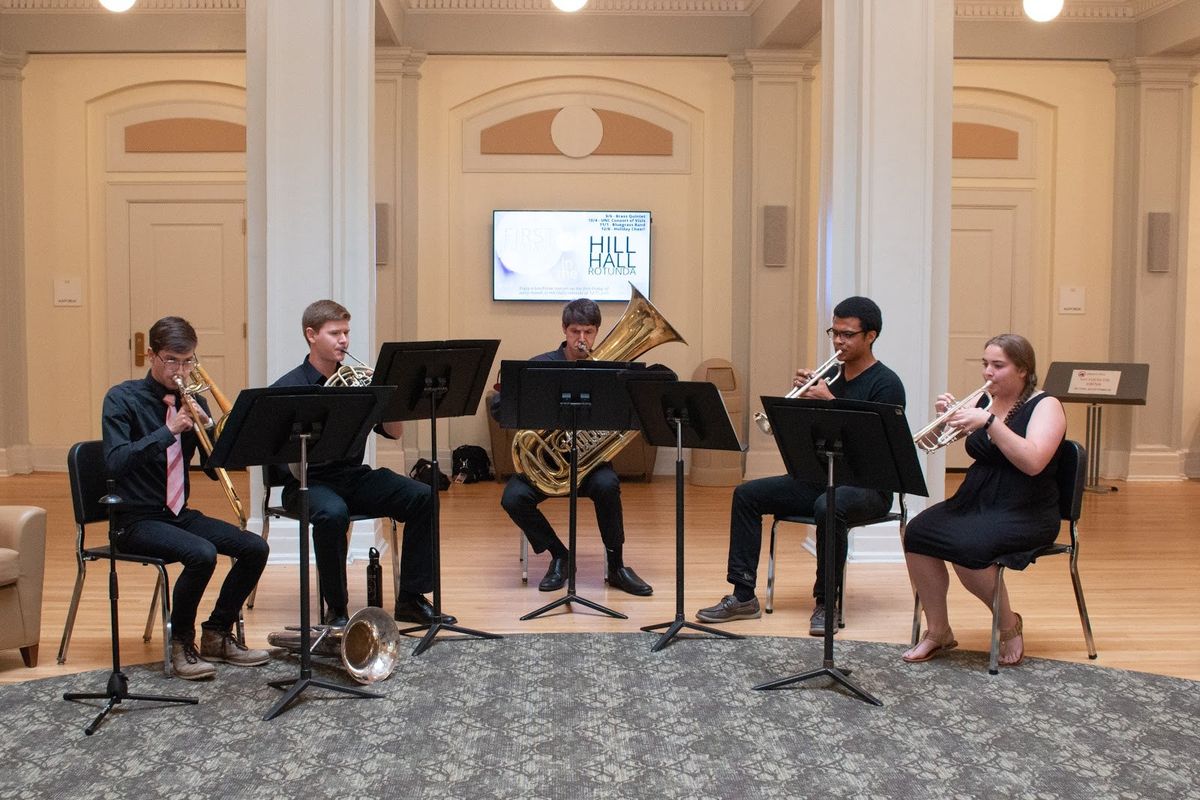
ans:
(576, 131)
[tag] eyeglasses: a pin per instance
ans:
(843, 335)
(174, 363)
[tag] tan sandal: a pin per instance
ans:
(947, 642)
(1008, 636)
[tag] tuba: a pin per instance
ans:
(937, 434)
(199, 382)
(368, 647)
(544, 456)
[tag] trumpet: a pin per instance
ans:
(201, 382)
(358, 374)
(938, 433)
(760, 419)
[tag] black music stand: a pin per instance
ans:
(117, 689)
(569, 396)
(432, 380)
(842, 443)
(684, 414)
(290, 425)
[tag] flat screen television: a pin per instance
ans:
(563, 255)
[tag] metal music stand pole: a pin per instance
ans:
(667, 410)
(306, 679)
(117, 690)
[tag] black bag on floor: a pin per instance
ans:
(420, 472)
(470, 463)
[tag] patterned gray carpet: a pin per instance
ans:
(600, 716)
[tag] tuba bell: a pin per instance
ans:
(544, 456)
(368, 647)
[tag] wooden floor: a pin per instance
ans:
(1140, 564)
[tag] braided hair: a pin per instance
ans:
(1019, 351)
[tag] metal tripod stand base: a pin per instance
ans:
(569, 598)
(300, 684)
(678, 624)
(116, 693)
(434, 627)
(828, 670)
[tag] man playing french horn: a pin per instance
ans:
(580, 324)
(339, 489)
(857, 322)
(149, 438)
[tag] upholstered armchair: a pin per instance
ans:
(22, 565)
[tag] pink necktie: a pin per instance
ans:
(174, 463)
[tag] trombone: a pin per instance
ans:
(760, 418)
(199, 382)
(938, 433)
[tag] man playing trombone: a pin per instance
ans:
(339, 489)
(857, 322)
(149, 438)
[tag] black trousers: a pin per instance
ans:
(784, 495)
(195, 540)
(521, 500)
(372, 493)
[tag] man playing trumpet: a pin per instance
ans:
(339, 489)
(149, 438)
(857, 322)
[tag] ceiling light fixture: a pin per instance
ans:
(569, 5)
(118, 5)
(1042, 10)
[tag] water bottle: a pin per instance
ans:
(374, 580)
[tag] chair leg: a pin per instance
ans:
(70, 626)
(1084, 619)
(29, 654)
(265, 532)
(916, 623)
(164, 596)
(994, 655)
(148, 634)
(524, 557)
(395, 563)
(770, 608)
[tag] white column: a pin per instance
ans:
(14, 384)
(310, 86)
(1153, 160)
(773, 143)
(887, 81)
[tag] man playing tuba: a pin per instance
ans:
(580, 324)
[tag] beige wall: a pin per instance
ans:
(1191, 332)
(692, 211)
(1075, 232)
(64, 222)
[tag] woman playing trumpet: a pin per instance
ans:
(1006, 507)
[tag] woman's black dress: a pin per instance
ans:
(997, 511)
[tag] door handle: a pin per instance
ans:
(139, 349)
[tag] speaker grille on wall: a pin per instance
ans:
(1158, 241)
(381, 234)
(775, 236)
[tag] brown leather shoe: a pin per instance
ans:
(221, 646)
(187, 663)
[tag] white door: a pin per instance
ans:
(989, 255)
(188, 259)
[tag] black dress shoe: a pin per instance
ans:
(627, 580)
(335, 619)
(555, 577)
(417, 609)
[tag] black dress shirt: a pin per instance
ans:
(136, 438)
